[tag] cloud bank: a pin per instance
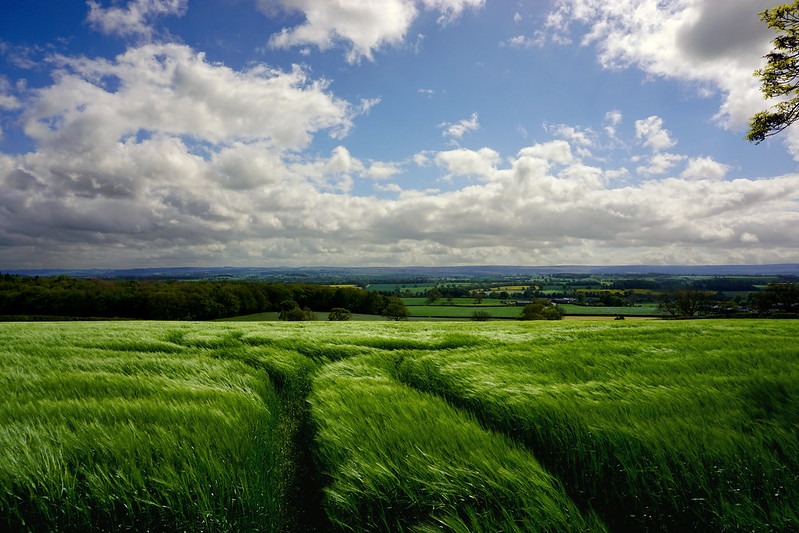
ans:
(162, 157)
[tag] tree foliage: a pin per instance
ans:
(780, 77)
(395, 310)
(290, 311)
(63, 296)
(339, 314)
(540, 310)
(778, 298)
(684, 303)
(433, 295)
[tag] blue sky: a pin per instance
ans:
(403, 132)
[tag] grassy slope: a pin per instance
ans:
(653, 425)
(112, 426)
(656, 426)
(401, 460)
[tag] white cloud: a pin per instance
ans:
(160, 157)
(381, 170)
(451, 9)
(612, 120)
(660, 163)
(555, 151)
(153, 200)
(524, 41)
(705, 168)
(463, 162)
(458, 129)
(170, 89)
(749, 238)
(7, 100)
(584, 137)
(135, 19)
(364, 26)
(651, 133)
(710, 43)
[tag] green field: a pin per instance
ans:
(586, 310)
(385, 426)
(463, 311)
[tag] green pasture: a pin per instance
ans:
(638, 310)
(462, 311)
(400, 426)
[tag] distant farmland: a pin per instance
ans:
(500, 426)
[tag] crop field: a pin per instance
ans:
(387, 426)
(463, 311)
(639, 310)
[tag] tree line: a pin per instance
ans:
(64, 296)
(778, 299)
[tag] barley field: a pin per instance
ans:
(375, 426)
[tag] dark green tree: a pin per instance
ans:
(290, 311)
(395, 310)
(540, 310)
(433, 295)
(778, 297)
(684, 303)
(339, 314)
(780, 77)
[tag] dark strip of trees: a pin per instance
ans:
(63, 296)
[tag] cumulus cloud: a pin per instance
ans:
(651, 133)
(463, 162)
(712, 44)
(161, 157)
(581, 136)
(555, 151)
(250, 205)
(456, 130)
(705, 168)
(364, 26)
(660, 163)
(382, 170)
(135, 19)
(170, 89)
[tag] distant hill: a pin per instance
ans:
(333, 274)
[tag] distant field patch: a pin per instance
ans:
(638, 310)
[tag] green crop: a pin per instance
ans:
(656, 425)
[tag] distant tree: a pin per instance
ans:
(683, 303)
(777, 298)
(779, 76)
(290, 311)
(395, 310)
(287, 308)
(481, 316)
(478, 297)
(339, 314)
(433, 295)
(729, 308)
(540, 310)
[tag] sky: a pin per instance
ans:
(153, 133)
